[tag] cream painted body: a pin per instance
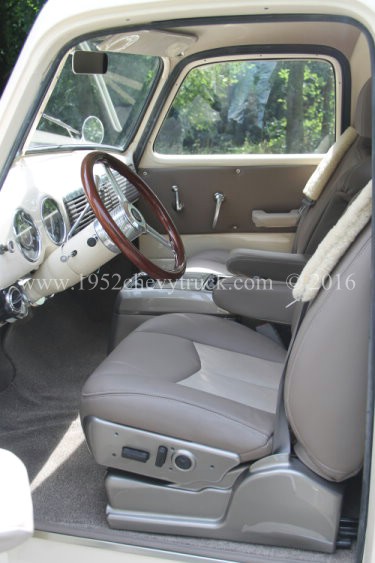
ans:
(60, 549)
(60, 23)
(26, 186)
(56, 275)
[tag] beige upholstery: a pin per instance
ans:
(214, 382)
(351, 175)
(269, 302)
(177, 370)
(362, 119)
(326, 383)
(334, 246)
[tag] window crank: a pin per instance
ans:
(219, 198)
(177, 205)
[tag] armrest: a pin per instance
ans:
(265, 300)
(265, 264)
(279, 220)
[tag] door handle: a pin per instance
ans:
(219, 198)
(177, 205)
(279, 220)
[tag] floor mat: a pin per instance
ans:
(53, 353)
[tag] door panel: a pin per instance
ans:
(249, 128)
(270, 188)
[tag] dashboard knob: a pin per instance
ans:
(92, 241)
(7, 247)
(15, 304)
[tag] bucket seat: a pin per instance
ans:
(182, 413)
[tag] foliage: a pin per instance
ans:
(252, 107)
(15, 23)
(75, 97)
(236, 107)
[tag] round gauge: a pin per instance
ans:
(27, 235)
(53, 220)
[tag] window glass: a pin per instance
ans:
(252, 107)
(97, 109)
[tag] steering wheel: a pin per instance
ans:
(130, 223)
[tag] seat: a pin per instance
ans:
(351, 174)
(180, 365)
(182, 413)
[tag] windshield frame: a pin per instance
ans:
(51, 82)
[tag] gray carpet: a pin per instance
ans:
(53, 353)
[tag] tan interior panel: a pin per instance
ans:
(277, 242)
(272, 189)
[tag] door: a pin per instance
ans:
(237, 137)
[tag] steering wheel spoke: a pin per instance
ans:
(134, 221)
(115, 186)
(159, 237)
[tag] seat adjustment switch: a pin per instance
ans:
(161, 456)
(136, 455)
(183, 460)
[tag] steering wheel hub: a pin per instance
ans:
(136, 214)
(118, 228)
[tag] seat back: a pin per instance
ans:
(350, 176)
(326, 380)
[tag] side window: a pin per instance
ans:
(252, 107)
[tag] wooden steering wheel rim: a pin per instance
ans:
(113, 230)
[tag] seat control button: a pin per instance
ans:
(136, 455)
(183, 460)
(161, 456)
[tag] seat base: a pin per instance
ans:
(275, 501)
(157, 456)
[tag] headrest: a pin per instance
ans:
(363, 113)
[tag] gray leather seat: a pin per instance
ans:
(214, 382)
(182, 413)
(351, 175)
(181, 366)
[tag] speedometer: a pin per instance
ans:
(53, 220)
(27, 235)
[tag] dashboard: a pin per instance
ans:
(48, 228)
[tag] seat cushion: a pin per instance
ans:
(192, 377)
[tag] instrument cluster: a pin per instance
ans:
(26, 234)
(31, 235)
(45, 224)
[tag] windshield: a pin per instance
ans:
(98, 109)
